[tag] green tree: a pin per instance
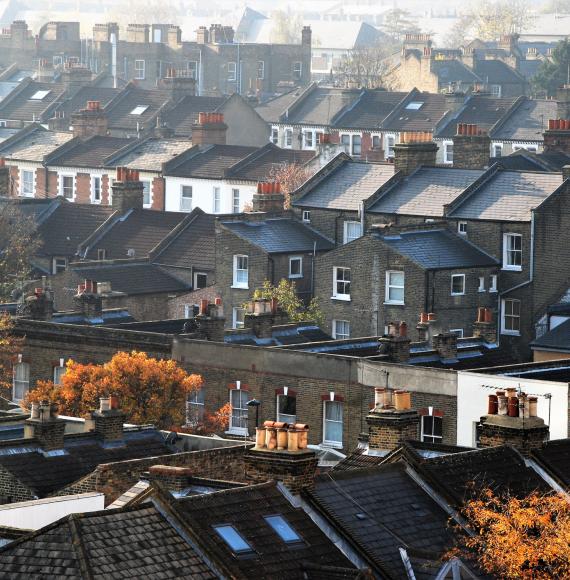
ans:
(365, 66)
(287, 27)
(289, 301)
(492, 19)
(554, 72)
(398, 23)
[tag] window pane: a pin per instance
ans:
(233, 538)
(333, 421)
(286, 408)
(283, 529)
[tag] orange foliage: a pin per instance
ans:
(217, 422)
(10, 345)
(519, 538)
(149, 390)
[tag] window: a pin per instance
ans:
(274, 135)
(525, 146)
(101, 254)
(306, 216)
(217, 206)
(493, 286)
(238, 418)
(390, 141)
(376, 141)
(512, 252)
(139, 110)
(27, 183)
(238, 317)
(200, 280)
(356, 148)
(496, 91)
(481, 287)
(260, 70)
(235, 200)
(511, 316)
(286, 409)
(289, 138)
(297, 70)
(58, 372)
(457, 331)
(192, 68)
(457, 284)
(67, 186)
(295, 267)
(414, 106)
(21, 382)
(352, 231)
(283, 529)
(333, 423)
(232, 71)
(341, 287)
(139, 69)
(462, 228)
(39, 95)
(345, 143)
(96, 189)
(448, 152)
(308, 139)
(195, 407)
(147, 200)
(241, 275)
(432, 429)
(185, 198)
(341, 329)
(394, 287)
(57, 60)
(233, 539)
(59, 265)
(497, 149)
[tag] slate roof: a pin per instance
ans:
(120, 109)
(184, 114)
(46, 475)
(245, 508)
(78, 100)
(370, 110)
(523, 160)
(209, 162)
(286, 335)
(19, 105)
(91, 152)
(139, 230)
(453, 71)
(279, 235)
(508, 196)
(496, 72)
(132, 278)
(528, 121)
(150, 154)
(382, 509)
(272, 109)
(556, 339)
(437, 249)
(426, 191)
(34, 145)
(347, 186)
(426, 118)
(555, 458)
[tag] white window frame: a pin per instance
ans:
(288, 138)
(296, 259)
(505, 316)
(343, 326)
(238, 314)
(274, 135)
(424, 436)
(58, 372)
(238, 429)
(496, 91)
(389, 143)
(260, 70)
(232, 71)
(378, 137)
(506, 251)
(217, 199)
(56, 262)
(457, 331)
(195, 408)
(140, 69)
(336, 281)
(462, 278)
(446, 159)
(285, 417)
(20, 384)
(192, 69)
(353, 145)
(526, 146)
(331, 442)
(101, 254)
(346, 238)
(481, 287)
(309, 139)
(62, 178)
(195, 280)
(497, 147)
(184, 204)
(307, 216)
(235, 200)
(493, 285)
(148, 183)
(462, 228)
(390, 285)
(94, 180)
(237, 283)
(23, 191)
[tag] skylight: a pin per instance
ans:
(233, 539)
(283, 529)
(39, 95)
(139, 109)
(414, 106)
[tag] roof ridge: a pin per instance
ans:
(515, 105)
(471, 189)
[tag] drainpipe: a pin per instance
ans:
(46, 180)
(313, 269)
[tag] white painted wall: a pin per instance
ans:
(33, 515)
(203, 193)
(472, 398)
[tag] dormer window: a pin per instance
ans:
(233, 539)
(139, 110)
(414, 106)
(39, 95)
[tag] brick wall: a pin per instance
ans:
(13, 490)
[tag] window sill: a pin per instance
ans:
(295, 277)
(331, 445)
(512, 268)
(510, 332)
(236, 287)
(462, 293)
(482, 290)
(341, 297)
(237, 431)
(394, 303)
(493, 291)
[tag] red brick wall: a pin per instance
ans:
(158, 193)
(83, 188)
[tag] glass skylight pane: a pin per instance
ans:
(39, 95)
(139, 110)
(233, 539)
(285, 531)
(414, 105)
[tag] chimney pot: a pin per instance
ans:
(493, 407)
(513, 407)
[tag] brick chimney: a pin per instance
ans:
(425, 326)
(209, 130)
(44, 72)
(557, 136)
(210, 321)
(202, 35)
(396, 344)
(262, 315)
(445, 343)
(90, 121)
(45, 426)
(484, 327)
(39, 306)
(306, 36)
(175, 479)
(281, 453)
(471, 147)
(179, 83)
(87, 301)
(268, 198)
(128, 191)
(413, 150)
(4, 178)
(392, 421)
(109, 420)
(513, 420)
(74, 77)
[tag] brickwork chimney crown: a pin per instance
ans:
(471, 147)
(397, 343)
(128, 190)
(109, 420)
(90, 121)
(268, 198)
(209, 130)
(88, 301)
(45, 426)
(414, 149)
(210, 321)
(484, 327)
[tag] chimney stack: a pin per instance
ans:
(128, 190)
(109, 420)
(45, 426)
(75, 76)
(397, 343)
(268, 198)
(557, 136)
(413, 150)
(175, 479)
(445, 343)
(209, 130)
(87, 301)
(563, 102)
(202, 35)
(262, 315)
(484, 327)
(90, 121)
(39, 306)
(179, 83)
(512, 420)
(210, 321)
(471, 147)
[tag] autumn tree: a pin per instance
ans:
(149, 390)
(516, 538)
(10, 346)
(286, 294)
(290, 176)
(554, 72)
